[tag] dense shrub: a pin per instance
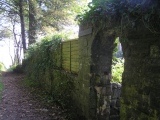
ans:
(2, 68)
(42, 58)
(43, 69)
(117, 70)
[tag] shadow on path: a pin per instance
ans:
(19, 103)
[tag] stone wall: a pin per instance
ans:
(115, 101)
(101, 99)
(92, 93)
(97, 97)
(141, 78)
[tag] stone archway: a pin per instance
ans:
(141, 78)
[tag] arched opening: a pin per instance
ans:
(140, 79)
(101, 86)
(107, 59)
(116, 81)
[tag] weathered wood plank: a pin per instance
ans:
(66, 54)
(74, 43)
(75, 49)
(65, 49)
(75, 54)
(75, 57)
(74, 46)
(66, 66)
(66, 45)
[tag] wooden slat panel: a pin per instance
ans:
(65, 55)
(66, 66)
(75, 64)
(74, 49)
(74, 45)
(74, 69)
(73, 61)
(70, 59)
(65, 52)
(66, 62)
(65, 49)
(75, 41)
(66, 59)
(74, 57)
(73, 52)
(66, 43)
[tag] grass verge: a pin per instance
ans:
(1, 87)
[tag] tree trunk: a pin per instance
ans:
(16, 45)
(32, 22)
(22, 25)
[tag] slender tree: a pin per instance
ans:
(32, 34)
(21, 15)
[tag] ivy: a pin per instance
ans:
(42, 57)
(117, 70)
(126, 13)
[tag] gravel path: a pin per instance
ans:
(21, 103)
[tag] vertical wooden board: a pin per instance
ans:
(70, 55)
(75, 59)
(66, 66)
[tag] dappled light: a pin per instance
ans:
(79, 59)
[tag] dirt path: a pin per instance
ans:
(19, 103)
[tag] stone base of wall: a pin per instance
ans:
(115, 101)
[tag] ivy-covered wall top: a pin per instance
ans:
(123, 14)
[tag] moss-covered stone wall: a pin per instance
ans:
(141, 77)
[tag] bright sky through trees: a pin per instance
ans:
(7, 47)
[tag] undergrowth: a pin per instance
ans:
(1, 87)
(44, 72)
(117, 70)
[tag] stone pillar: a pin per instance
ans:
(102, 48)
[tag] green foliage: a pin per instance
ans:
(115, 50)
(4, 33)
(55, 13)
(2, 68)
(18, 69)
(43, 69)
(62, 90)
(41, 57)
(127, 13)
(117, 70)
(11, 68)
